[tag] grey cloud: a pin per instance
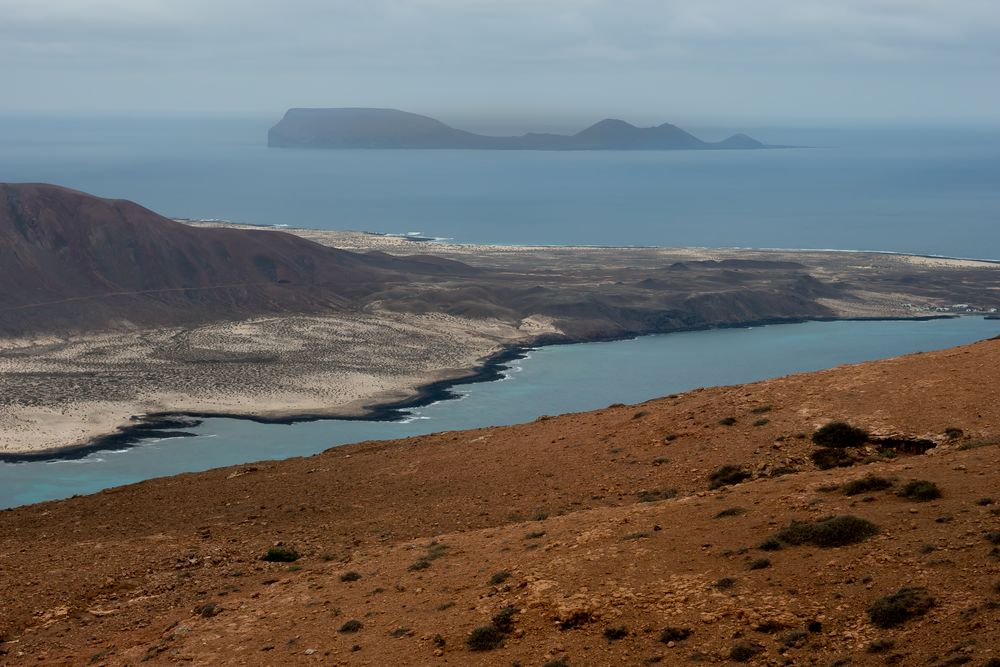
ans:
(469, 53)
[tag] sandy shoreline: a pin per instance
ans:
(109, 430)
(367, 241)
(61, 395)
(78, 390)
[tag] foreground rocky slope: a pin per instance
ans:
(586, 539)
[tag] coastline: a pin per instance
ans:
(439, 243)
(65, 395)
(170, 423)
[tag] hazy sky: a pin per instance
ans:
(684, 60)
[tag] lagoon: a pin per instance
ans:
(550, 380)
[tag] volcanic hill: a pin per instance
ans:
(72, 261)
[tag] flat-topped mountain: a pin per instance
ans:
(69, 260)
(390, 128)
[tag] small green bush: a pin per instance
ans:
(731, 511)
(727, 475)
(760, 564)
(504, 619)
(727, 421)
(208, 610)
(435, 550)
(880, 646)
(725, 583)
(351, 626)
(920, 490)
(953, 432)
(280, 555)
(613, 634)
(993, 537)
(865, 484)
(760, 409)
(636, 536)
(794, 637)
(829, 457)
(576, 619)
(903, 605)
(744, 652)
(656, 495)
(839, 435)
(770, 627)
(770, 544)
(534, 535)
(419, 564)
(835, 531)
(350, 575)
(485, 638)
(672, 634)
(499, 577)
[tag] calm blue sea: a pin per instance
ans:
(920, 190)
(553, 380)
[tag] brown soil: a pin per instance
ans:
(603, 520)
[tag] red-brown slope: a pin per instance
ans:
(69, 260)
(122, 576)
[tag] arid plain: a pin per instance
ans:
(65, 389)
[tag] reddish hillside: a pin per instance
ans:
(69, 260)
(645, 535)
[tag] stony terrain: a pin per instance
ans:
(585, 539)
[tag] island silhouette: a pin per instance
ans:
(391, 128)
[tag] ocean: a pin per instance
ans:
(921, 190)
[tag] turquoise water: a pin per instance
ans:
(551, 380)
(924, 190)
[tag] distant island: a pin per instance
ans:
(390, 128)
